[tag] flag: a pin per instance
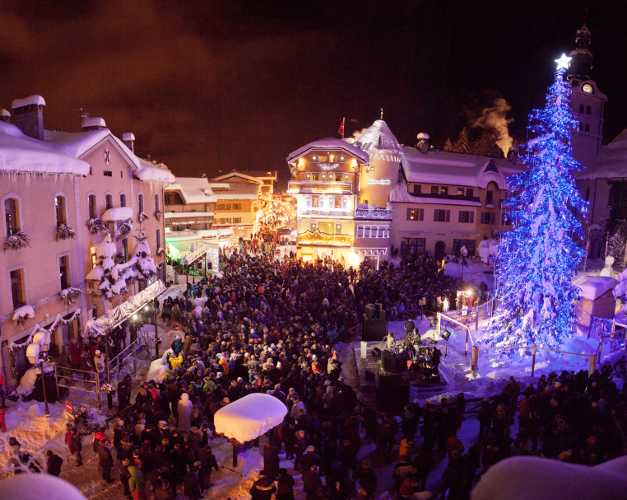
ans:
(341, 131)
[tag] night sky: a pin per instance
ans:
(210, 85)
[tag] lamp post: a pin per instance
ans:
(153, 318)
(36, 354)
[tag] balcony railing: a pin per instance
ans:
(320, 238)
(325, 212)
(373, 213)
(295, 187)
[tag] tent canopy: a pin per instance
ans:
(249, 417)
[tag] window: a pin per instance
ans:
(323, 159)
(460, 191)
(469, 244)
(444, 190)
(580, 126)
(360, 231)
(466, 217)
(122, 200)
(341, 158)
(382, 231)
(581, 108)
(315, 202)
(416, 189)
(469, 192)
(237, 206)
(416, 214)
(59, 210)
(488, 218)
(157, 202)
(158, 239)
(312, 226)
(345, 202)
(587, 128)
(346, 177)
(435, 190)
(337, 202)
(588, 110)
(441, 215)
(17, 288)
(107, 173)
(413, 245)
(316, 177)
(12, 215)
(140, 199)
(121, 174)
(488, 197)
(308, 201)
(366, 231)
(307, 176)
(93, 209)
(64, 272)
(108, 201)
(338, 229)
(323, 177)
(237, 220)
(313, 159)
(338, 177)
(506, 220)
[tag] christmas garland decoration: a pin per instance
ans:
(141, 217)
(37, 328)
(65, 232)
(96, 225)
(126, 227)
(158, 214)
(69, 295)
(16, 241)
(21, 319)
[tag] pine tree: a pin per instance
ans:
(144, 264)
(539, 257)
(448, 145)
(462, 144)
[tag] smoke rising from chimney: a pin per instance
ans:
(495, 117)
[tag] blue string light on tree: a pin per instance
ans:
(539, 257)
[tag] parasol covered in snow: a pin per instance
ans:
(249, 417)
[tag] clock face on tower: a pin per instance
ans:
(587, 88)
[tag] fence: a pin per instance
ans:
(462, 320)
(126, 362)
(72, 378)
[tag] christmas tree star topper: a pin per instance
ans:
(562, 62)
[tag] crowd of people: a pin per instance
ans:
(269, 326)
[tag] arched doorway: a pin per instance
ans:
(440, 250)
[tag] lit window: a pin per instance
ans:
(140, 199)
(93, 209)
(18, 293)
(122, 200)
(64, 272)
(108, 201)
(12, 215)
(59, 209)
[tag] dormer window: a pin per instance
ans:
(341, 158)
(313, 158)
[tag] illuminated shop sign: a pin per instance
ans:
(380, 181)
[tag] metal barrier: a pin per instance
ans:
(126, 362)
(64, 376)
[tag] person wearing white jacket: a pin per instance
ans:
(184, 413)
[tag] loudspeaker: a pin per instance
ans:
(446, 334)
(392, 391)
(376, 352)
(393, 363)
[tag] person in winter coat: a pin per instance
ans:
(191, 485)
(271, 460)
(136, 483)
(164, 491)
(74, 352)
(311, 482)
(423, 463)
(106, 461)
(125, 475)
(285, 486)
(184, 410)
(263, 488)
(75, 445)
(207, 463)
(54, 463)
(367, 477)
(402, 471)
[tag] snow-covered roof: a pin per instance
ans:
(443, 167)
(400, 195)
(249, 417)
(149, 172)
(592, 287)
(172, 215)
(193, 189)
(4, 112)
(239, 191)
(611, 162)
(118, 214)
(235, 173)
(330, 144)
(378, 137)
(93, 121)
(23, 154)
(31, 100)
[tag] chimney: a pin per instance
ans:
(92, 123)
(512, 155)
(423, 142)
(5, 116)
(128, 138)
(29, 116)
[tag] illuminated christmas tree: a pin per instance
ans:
(539, 257)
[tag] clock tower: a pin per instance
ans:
(587, 101)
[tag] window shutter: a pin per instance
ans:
(435, 215)
(448, 216)
(493, 219)
(472, 217)
(421, 215)
(409, 214)
(460, 217)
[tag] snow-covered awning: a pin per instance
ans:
(249, 417)
(118, 214)
(120, 314)
(196, 255)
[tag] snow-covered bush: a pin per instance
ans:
(69, 295)
(141, 217)
(22, 314)
(125, 227)
(618, 238)
(96, 225)
(16, 241)
(65, 232)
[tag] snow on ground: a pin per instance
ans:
(475, 271)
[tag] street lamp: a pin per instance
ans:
(36, 354)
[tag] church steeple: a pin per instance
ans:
(581, 64)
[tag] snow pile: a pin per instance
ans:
(38, 486)
(488, 249)
(592, 287)
(533, 478)
(23, 313)
(118, 214)
(249, 417)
